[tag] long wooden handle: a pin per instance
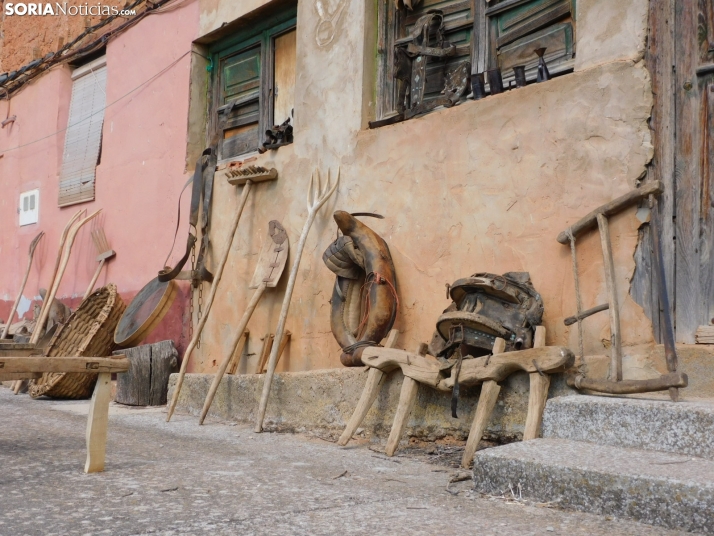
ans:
(58, 279)
(94, 279)
(281, 323)
(227, 359)
(316, 197)
(60, 251)
(19, 294)
(209, 303)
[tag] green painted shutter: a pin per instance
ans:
(239, 114)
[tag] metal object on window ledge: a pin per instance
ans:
(495, 81)
(519, 72)
(478, 86)
(543, 73)
(277, 136)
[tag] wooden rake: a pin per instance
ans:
(316, 197)
(104, 254)
(33, 245)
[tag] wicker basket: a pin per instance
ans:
(88, 332)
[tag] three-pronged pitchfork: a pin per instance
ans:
(316, 197)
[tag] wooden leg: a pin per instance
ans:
(486, 403)
(538, 394)
(375, 378)
(407, 398)
(97, 424)
(536, 404)
(609, 265)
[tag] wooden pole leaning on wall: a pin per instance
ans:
(214, 288)
(33, 245)
(271, 263)
(316, 198)
(66, 252)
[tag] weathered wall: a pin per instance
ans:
(138, 181)
(484, 186)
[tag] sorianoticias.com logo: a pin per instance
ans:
(21, 8)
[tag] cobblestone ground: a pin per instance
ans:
(220, 478)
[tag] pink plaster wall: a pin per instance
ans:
(138, 182)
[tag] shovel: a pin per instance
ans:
(271, 264)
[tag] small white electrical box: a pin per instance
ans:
(29, 207)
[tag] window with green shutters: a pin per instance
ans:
(489, 34)
(253, 82)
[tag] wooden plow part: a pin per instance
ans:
(615, 384)
(419, 367)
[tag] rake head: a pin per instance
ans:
(101, 244)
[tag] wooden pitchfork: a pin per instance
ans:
(104, 254)
(68, 236)
(271, 264)
(33, 245)
(316, 197)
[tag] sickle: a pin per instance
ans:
(377, 269)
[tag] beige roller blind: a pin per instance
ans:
(84, 133)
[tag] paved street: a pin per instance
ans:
(221, 478)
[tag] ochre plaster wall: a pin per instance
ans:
(484, 186)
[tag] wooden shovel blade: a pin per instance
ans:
(273, 256)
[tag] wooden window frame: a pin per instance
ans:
(483, 57)
(263, 36)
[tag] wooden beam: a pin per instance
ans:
(117, 363)
(610, 209)
(499, 366)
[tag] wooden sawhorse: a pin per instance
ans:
(32, 367)
(419, 367)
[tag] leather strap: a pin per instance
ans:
(167, 274)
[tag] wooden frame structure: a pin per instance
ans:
(419, 367)
(32, 367)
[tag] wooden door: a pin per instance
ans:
(694, 107)
(680, 58)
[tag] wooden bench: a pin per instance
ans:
(32, 367)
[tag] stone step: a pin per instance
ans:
(685, 427)
(657, 488)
